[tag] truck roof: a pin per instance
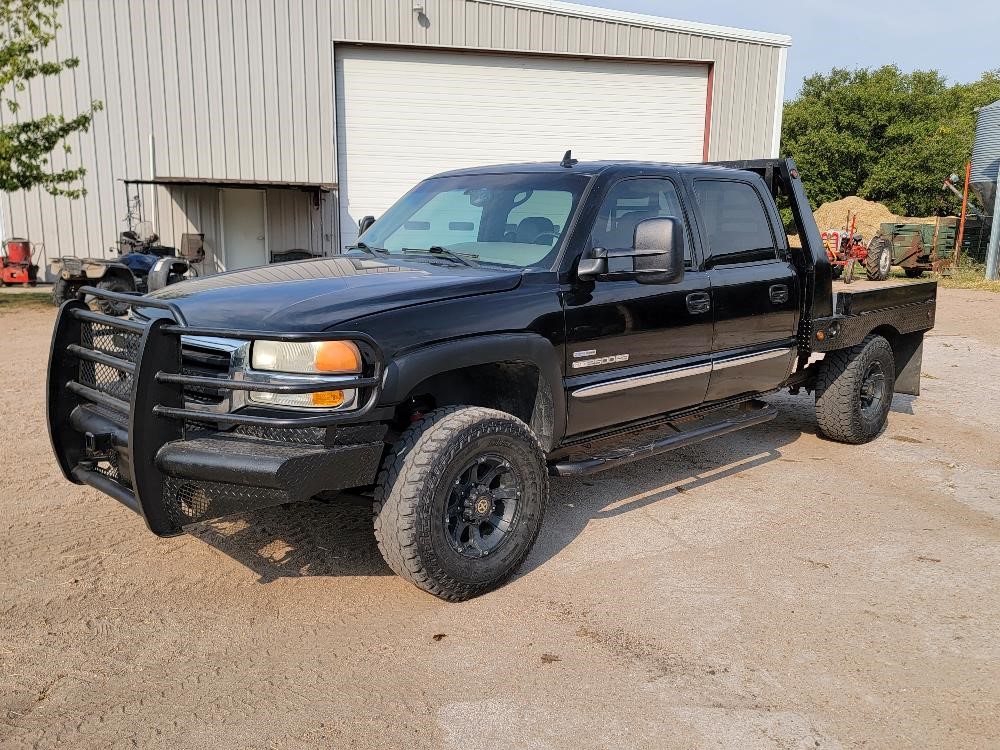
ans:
(587, 168)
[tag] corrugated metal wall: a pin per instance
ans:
(243, 90)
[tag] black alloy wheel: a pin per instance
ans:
(484, 506)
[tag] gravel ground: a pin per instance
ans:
(768, 589)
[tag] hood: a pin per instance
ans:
(314, 295)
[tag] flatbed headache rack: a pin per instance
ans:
(116, 396)
(831, 321)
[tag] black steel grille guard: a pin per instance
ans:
(144, 384)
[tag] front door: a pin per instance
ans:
(755, 289)
(244, 228)
(634, 350)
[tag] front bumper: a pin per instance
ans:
(118, 421)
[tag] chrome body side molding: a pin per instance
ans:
(675, 373)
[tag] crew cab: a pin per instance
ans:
(494, 328)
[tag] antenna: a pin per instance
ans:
(568, 161)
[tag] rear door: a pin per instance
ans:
(755, 290)
(634, 350)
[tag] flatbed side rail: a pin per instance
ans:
(116, 395)
(843, 331)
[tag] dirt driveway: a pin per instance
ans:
(766, 590)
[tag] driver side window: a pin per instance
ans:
(632, 201)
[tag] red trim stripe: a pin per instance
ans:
(708, 110)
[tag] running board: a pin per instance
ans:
(758, 413)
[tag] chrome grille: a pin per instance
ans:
(200, 359)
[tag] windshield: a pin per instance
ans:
(516, 220)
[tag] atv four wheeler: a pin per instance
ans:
(143, 266)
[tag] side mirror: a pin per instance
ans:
(656, 256)
(593, 264)
(364, 224)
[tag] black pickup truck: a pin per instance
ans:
(495, 327)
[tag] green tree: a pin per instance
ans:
(884, 135)
(26, 145)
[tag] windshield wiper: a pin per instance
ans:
(376, 251)
(464, 258)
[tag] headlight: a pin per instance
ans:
(312, 358)
(327, 357)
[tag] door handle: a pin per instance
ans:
(779, 294)
(698, 302)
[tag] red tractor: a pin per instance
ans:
(845, 248)
(16, 266)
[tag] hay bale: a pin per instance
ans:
(871, 216)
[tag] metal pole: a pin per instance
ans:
(993, 252)
(965, 209)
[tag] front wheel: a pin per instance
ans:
(460, 500)
(112, 284)
(879, 261)
(854, 391)
(913, 273)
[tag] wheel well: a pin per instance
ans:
(516, 388)
(891, 335)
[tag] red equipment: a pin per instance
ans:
(844, 249)
(16, 265)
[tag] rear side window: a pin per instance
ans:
(735, 220)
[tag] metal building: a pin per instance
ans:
(269, 125)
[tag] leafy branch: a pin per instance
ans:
(27, 27)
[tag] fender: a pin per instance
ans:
(99, 270)
(159, 274)
(405, 372)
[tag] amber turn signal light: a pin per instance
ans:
(328, 398)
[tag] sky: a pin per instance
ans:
(961, 39)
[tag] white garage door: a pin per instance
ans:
(403, 115)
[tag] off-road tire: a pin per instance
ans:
(913, 273)
(842, 375)
(879, 261)
(416, 481)
(62, 290)
(836, 272)
(113, 284)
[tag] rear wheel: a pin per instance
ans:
(63, 290)
(460, 500)
(854, 391)
(879, 261)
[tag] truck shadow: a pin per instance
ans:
(335, 538)
(300, 539)
(577, 503)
